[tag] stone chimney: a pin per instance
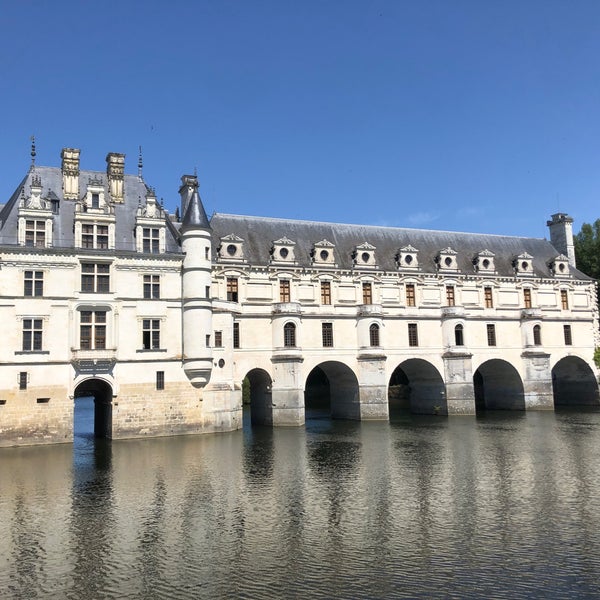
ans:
(115, 170)
(70, 173)
(189, 184)
(561, 235)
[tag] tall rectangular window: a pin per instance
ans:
(152, 287)
(564, 299)
(150, 240)
(236, 334)
(325, 292)
(95, 277)
(488, 297)
(450, 299)
(568, 335)
(151, 334)
(160, 380)
(410, 294)
(33, 283)
(35, 233)
(32, 335)
(327, 333)
(232, 289)
(491, 334)
(23, 380)
(413, 336)
(284, 290)
(527, 297)
(92, 330)
(367, 293)
(218, 339)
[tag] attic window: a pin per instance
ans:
(365, 257)
(524, 265)
(448, 261)
(324, 254)
(486, 263)
(284, 253)
(95, 200)
(231, 249)
(408, 259)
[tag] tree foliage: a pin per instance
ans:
(587, 249)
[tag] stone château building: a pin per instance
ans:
(161, 317)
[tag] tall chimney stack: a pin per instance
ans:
(115, 170)
(70, 173)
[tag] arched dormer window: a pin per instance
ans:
(289, 335)
(374, 335)
(459, 339)
(537, 335)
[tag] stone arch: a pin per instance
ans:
(333, 386)
(102, 392)
(574, 383)
(418, 385)
(498, 386)
(261, 405)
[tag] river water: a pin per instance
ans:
(505, 505)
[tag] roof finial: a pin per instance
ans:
(32, 152)
(140, 164)
(195, 172)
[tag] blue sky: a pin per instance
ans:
(460, 115)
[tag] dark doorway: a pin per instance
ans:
(417, 385)
(498, 386)
(573, 383)
(332, 390)
(100, 393)
(257, 395)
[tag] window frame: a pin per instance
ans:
(33, 283)
(488, 297)
(326, 293)
(367, 292)
(568, 334)
(151, 334)
(411, 294)
(537, 335)
(327, 334)
(564, 300)
(491, 334)
(459, 335)
(233, 289)
(95, 278)
(289, 335)
(151, 287)
(413, 335)
(95, 328)
(34, 230)
(374, 338)
(32, 334)
(450, 295)
(284, 290)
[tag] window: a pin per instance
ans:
(450, 300)
(564, 299)
(284, 290)
(23, 380)
(95, 200)
(367, 293)
(32, 335)
(327, 332)
(33, 283)
(218, 339)
(568, 335)
(458, 335)
(232, 289)
(95, 277)
(537, 335)
(236, 334)
(160, 380)
(527, 297)
(413, 336)
(92, 330)
(151, 334)
(374, 335)
(35, 233)
(410, 294)
(488, 298)
(325, 292)
(94, 236)
(289, 335)
(491, 334)
(150, 240)
(152, 287)
(207, 340)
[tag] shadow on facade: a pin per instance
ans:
(102, 394)
(498, 386)
(418, 387)
(332, 390)
(574, 384)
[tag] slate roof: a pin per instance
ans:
(258, 234)
(135, 191)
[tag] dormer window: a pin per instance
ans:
(364, 255)
(95, 200)
(231, 248)
(560, 266)
(446, 260)
(484, 262)
(322, 254)
(407, 258)
(282, 250)
(523, 264)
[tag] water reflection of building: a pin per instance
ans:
(161, 317)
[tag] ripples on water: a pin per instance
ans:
(500, 506)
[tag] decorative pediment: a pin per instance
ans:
(231, 248)
(364, 255)
(446, 260)
(283, 251)
(484, 262)
(322, 253)
(560, 266)
(407, 258)
(523, 264)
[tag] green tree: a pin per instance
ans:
(587, 249)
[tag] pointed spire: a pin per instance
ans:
(195, 215)
(140, 165)
(33, 153)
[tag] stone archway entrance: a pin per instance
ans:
(498, 386)
(573, 383)
(259, 397)
(417, 385)
(102, 394)
(332, 388)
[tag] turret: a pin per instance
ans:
(197, 305)
(561, 235)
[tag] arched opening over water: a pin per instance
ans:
(332, 389)
(257, 392)
(418, 386)
(498, 386)
(573, 383)
(102, 394)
